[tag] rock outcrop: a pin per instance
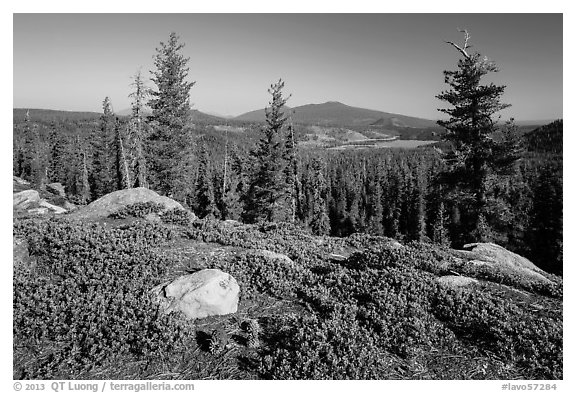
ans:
(274, 256)
(55, 209)
(456, 281)
(56, 189)
(493, 256)
(204, 293)
(494, 252)
(19, 181)
(24, 199)
(69, 206)
(111, 203)
(29, 201)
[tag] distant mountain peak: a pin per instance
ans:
(335, 113)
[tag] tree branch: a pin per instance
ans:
(463, 48)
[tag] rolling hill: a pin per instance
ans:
(258, 115)
(195, 115)
(547, 138)
(49, 114)
(336, 113)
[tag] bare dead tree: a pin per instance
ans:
(225, 162)
(462, 49)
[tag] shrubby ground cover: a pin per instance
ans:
(84, 308)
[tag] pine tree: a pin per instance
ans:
(18, 155)
(440, 231)
(231, 206)
(417, 227)
(138, 128)
(509, 150)
(266, 200)
(33, 167)
(78, 183)
(470, 128)
(394, 200)
(170, 105)
(205, 201)
(320, 222)
(291, 172)
(546, 229)
(121, 168)
(229, 197)
(85, 185)
(102, 177)
(337, 203)
(375, 208)
(56, 158)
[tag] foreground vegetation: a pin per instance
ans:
(83, 308)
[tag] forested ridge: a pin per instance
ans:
(387, 192)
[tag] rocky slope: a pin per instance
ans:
(50, 201)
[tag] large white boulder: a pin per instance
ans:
(23, 199)
(456, 281)
(111, 203)
(490, 255)
(494, 252)
(201, 294)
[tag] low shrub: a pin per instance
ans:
(177, 217)
(335, 347)
(89, 301)
(514, 278)
(138, 210)
(379, 314)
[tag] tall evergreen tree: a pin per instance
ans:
(102, 175)
(375, 207)
(239, 166)
(84, 183)
(320, 222)
(121, 167)
(417, 225)
(205, 201)
(231, 206)
(18, 154)
(138, 130)
(291, 172)
(33, 168)
(229, 198)
(170, 105)
(470, 127)
(266, 199)
(546, 229)
(440, 230)
(57, 156)
(78, 183)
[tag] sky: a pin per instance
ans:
(387, 62)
